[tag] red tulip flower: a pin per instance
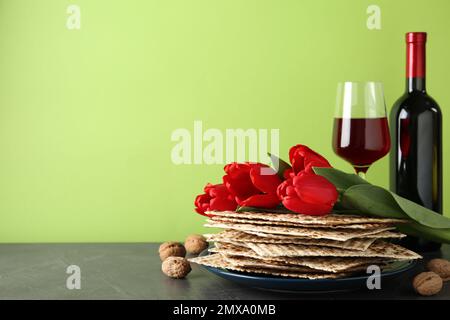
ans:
(308, 193)
(303, 158)
(251, 185)
(216, 198)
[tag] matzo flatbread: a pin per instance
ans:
(330, 219)
(328, 264)
(291, 224)
(381, 235)
(255, 263)
(234, 237)
(379, 249)
(250, 262)
(216, 261)
(317, 233)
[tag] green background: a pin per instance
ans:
(86, 115)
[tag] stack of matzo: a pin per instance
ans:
(302, 246)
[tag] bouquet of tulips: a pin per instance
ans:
(257, 185)
(309, 185)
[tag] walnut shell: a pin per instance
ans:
(176, 267)
(441, 267)
(195, 243)
(171, 249)
(427, 283)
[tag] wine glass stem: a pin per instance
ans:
(362, 174)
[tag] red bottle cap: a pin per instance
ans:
(415, 54)
(416, 37)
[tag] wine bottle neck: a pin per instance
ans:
(415, 61)
(415, 85)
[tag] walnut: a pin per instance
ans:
(195, 243)
(176, 267)
(441, 267)
(171, 249)
(427, 283)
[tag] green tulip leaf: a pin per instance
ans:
(372, 200)
(431, 234)
(281, 167)
(422, 215)
(380, 202)
(340, 179)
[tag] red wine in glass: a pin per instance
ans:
(361, 142)
(361, 131)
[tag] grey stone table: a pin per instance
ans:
(132, 271)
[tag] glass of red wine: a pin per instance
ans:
(361, 132)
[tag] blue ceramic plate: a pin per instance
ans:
(306, 285)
